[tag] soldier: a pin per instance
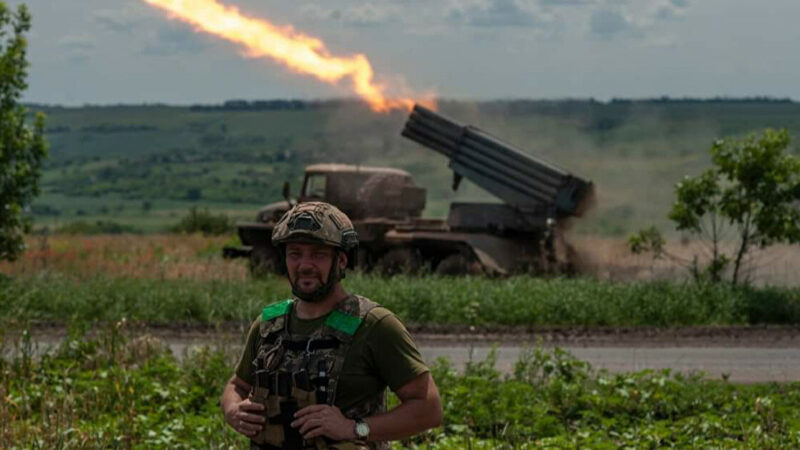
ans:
(314, 370)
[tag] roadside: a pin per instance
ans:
(739, 354)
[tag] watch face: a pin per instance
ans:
(362, 429)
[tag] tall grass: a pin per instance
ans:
(170, 256)
(520, 301)
(198, 257)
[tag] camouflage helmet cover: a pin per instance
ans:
(316, 222)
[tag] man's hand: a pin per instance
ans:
(324, 420)
(244, 417)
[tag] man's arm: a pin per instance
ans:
(240, 413)
(420, 409)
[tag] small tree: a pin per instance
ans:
(752, 188)
(22, 149)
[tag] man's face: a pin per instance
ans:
(308, 265)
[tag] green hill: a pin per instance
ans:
(146, 165)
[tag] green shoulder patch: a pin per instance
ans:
(343, 322)
(275, 310)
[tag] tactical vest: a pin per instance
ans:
(292, 372)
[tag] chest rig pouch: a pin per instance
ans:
(292, 372)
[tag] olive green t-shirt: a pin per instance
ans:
(382, 354)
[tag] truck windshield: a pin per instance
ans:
(315, 186)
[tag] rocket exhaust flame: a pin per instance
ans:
(299, 52)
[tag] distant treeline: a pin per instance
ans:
(104, 128)
(256, 105)
(229, 105)
(109, 128)
(288, 104)
(665, 99)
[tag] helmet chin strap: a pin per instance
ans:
(319, 293)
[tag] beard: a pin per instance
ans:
(316, 295)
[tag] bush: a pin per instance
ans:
(203, 222)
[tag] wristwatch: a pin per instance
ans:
(362, 429)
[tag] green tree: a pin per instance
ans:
(753, 188)
(22, 148)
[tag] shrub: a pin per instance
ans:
(202, 221)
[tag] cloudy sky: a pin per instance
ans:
(112, 51)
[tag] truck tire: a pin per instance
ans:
(399, 261)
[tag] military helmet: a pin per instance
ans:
(316, 222)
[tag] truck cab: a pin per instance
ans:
(373, 198)
(359, 191)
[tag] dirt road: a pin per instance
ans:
(741, 354)
(739, 364)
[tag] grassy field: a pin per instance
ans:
(117, 392)
(167, 278)
(146, 165)
(169, 256)
(164, 256)
(522, 301)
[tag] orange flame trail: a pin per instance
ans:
(299, 52)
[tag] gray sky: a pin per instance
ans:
(125, 51)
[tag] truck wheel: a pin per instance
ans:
(262, 262)
(458, 265)
(399, 260)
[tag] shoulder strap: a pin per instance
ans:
(343, 322)
(273, 317)
(276, 309)
(347, 317)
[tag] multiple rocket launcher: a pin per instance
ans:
(533, 188)
(518, 235)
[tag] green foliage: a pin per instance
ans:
(554, 400)
(752, 188)
(647, 240)
(97, 227)
(115, 390)
(22, 148)
(202, 221)
(521, 301)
